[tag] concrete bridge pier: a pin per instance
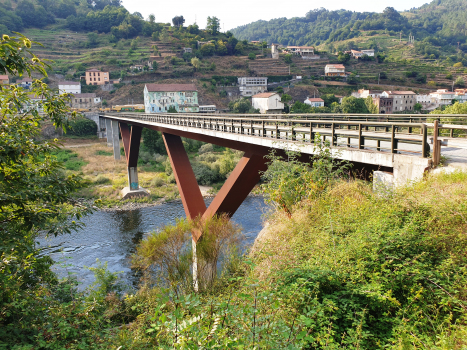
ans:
(131, 137)
(108, 132)
(115, 139)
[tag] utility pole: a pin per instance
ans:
(452, 90)
(400, 37)
(379, 74)
(458, 43)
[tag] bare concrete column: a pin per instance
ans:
(108, 132)
(115, 140)
(133, 178)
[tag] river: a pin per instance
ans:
(112, 236)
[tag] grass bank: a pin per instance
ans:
(106, 177)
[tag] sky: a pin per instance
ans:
(239, 12)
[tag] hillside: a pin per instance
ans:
(441, 24)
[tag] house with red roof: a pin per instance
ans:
(334, 70)
(314, 102)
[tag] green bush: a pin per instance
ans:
(101, 180)
(205, 175)
(83, 127)
(69, 159)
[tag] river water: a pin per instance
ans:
(112, 236)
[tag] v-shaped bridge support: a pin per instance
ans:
(234, 191)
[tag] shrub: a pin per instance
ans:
(158, 181)
(83, 127)
(204, 174)
(251, 56)
(206, 148)
(101, 180)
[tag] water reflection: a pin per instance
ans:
(113, 236)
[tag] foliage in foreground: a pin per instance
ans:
(35, 194)
(376, 272)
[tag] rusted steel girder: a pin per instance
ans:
(190, 193)
(131, 141)
(236, 188)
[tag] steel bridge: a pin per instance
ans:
(395, 147)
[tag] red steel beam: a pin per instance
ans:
(238, 186)
(131, 142)
(190, 193)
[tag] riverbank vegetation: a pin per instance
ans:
(106, 177)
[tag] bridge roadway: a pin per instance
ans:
(397, 151)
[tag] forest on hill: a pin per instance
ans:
(441, 22)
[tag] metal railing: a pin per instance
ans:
(371, 135)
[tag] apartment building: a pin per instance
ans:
(250, 86)
(158, 98)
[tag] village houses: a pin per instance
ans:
(334, 70)
(267, 102)
(314, 102)
(25, 83)
(250, 86)
(85, 101)
(158, 98)
(96, 77)
(302, 51)
(358, 54)
(4, 80)
(69, 87)
(402, 100)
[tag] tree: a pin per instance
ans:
(417, 107)
(352, 104)
(152, 142)
(372, 108)
(288, 58)
(329, 99)
(459, 81)
(152, 18)
(251, 56)
(353, 79)
(286, 98)
(196, 63)
(213, 25)
(343, 57)
(239, 48)
(92, 39)
(178, 21)
(241, 105)
(35, 192)
(221, 49)
(193, 29)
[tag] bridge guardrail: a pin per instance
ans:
(382, 133)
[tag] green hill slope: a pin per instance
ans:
(443, 20)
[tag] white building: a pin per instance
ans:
(358, 54)
(267, 102)
(427, 101)
(302, 51)
(402, 100)
(250, 86)
(334, 70)
(69, 87)
(314, 102)
(362, 93)
(443, 97)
